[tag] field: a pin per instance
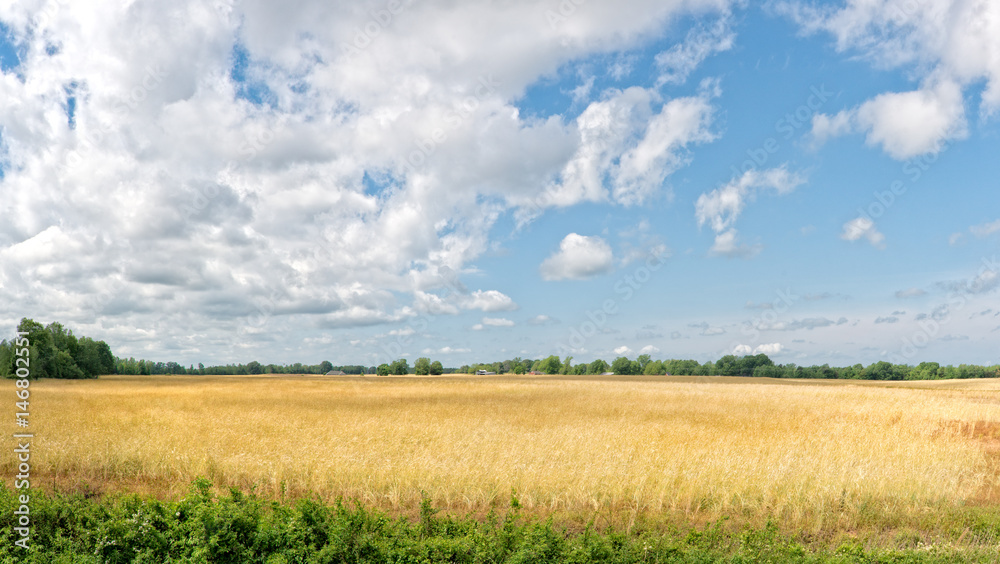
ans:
(825, 460)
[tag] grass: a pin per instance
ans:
(828, 461)
(239, 529)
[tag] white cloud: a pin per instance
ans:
(497, 322)
(623, 350)
(768, 349)
(180, 199)
(625, 149)
(649, 349)
(726, 245)
(489, 301)
(680, 60)
(433, 304)
(863, 227)
(721, 207)
(949, 44)
(903, 124)
(578, 257)
(986, 229)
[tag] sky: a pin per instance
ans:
(473, 181)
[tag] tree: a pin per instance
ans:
(94, 357)
(41, 352)
(622, 365)
(881, 370)
(422, 367)
(7, 356)
(551, 365)
(400, 367)
(643, 360)
(654, 367)
(436, 368)
(63, 366)
(383, 370)
(597, 367)
(254, 367)
(567, 367)
(325, 366)
(727, 366)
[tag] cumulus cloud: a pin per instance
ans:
(768, 349)
(950, 45)
(623, 350)
(626, 149)
(903, 124)
(578, 257)
(497, 322)
(259, 170)
(489, 301)
(649, 349)
(863, 227)
(721, 207)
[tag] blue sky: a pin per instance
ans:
(484, 181)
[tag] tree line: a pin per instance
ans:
(55, 352)
(759, 365)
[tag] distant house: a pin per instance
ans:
(336, 373)
(607, 373)
(485, 373)
(536, 373)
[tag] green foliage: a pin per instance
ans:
(55, 352)
(598, 367)
(623, 365)
(654, 367)
(384, 370)
(436, 368)
(551, 365)
(237, 527)
(400, 367)
(422, 367)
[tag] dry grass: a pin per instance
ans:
(819, 457)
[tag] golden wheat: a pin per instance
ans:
(816, 455)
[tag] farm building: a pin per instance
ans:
(336, 373)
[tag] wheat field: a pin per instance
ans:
(818, 456)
